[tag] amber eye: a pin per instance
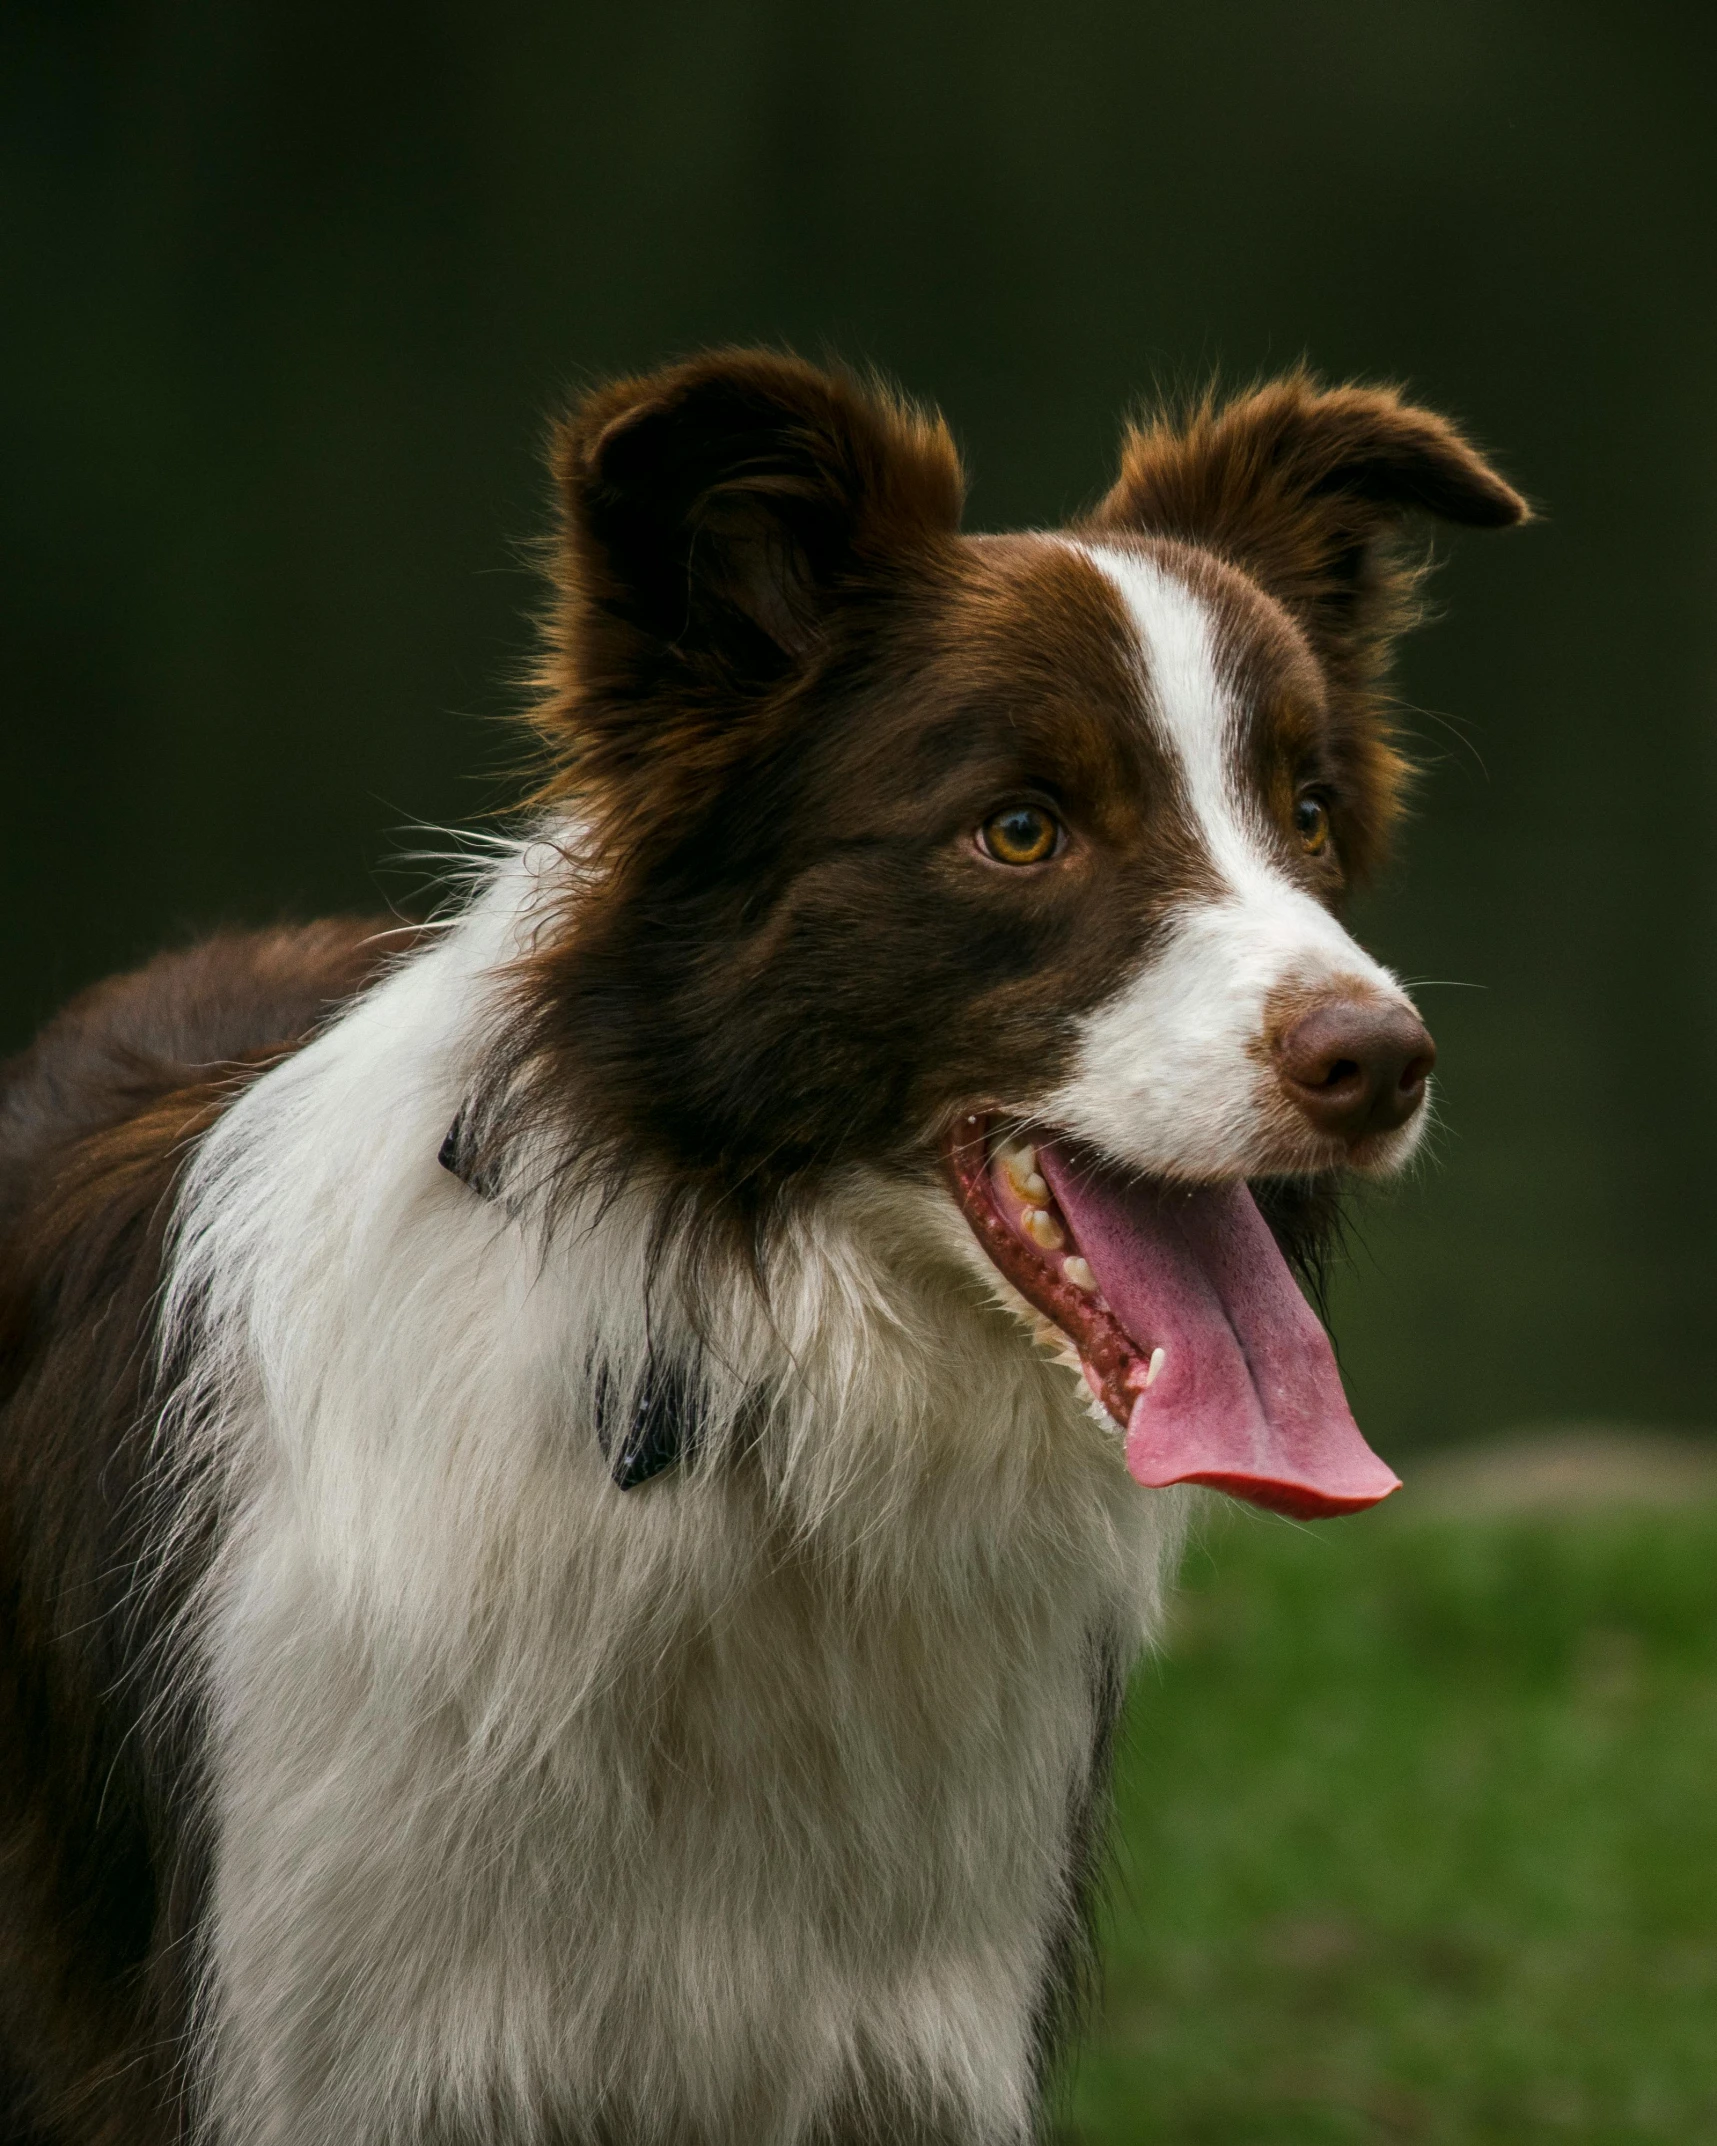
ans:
(1311, 824)
(1023, 834)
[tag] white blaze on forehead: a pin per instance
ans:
(1194, 712)
(1191, 708)
(1173, 1071)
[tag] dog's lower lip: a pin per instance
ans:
(1071, 1302)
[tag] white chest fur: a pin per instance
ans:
(711, 1809)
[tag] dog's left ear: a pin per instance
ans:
(712, 517)
(1305, 489)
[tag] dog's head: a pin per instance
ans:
(1017, 856)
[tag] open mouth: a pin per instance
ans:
(1189, 1327)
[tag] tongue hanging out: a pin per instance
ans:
(1191, 1329)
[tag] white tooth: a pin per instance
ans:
(1043, 1229)
(1078, 1272)
(1020, 1157)
(1152, 1368)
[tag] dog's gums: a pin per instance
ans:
(1186, 1321)
(995, 1180)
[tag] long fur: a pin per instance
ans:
(863, 1665)
(552, 1595)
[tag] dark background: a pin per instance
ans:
(290, 292)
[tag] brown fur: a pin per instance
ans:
(715, 518)
(99, 1876)
(800, 967)
(782, 690)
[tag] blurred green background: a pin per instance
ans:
(291, 292)
(1417, 1836)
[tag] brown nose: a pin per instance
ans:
(1356, 1066)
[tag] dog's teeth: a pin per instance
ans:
(1153, 1367)
(1025, 1182)
(1043, 1229)
(1078, 1272)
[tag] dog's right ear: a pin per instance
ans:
(711, 516)
(1306, 489)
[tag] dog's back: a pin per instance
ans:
(98, 1881)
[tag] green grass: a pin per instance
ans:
(1418, 1841)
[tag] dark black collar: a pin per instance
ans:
(662, 1427)
(457, 1156)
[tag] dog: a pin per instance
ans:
(579, 1484)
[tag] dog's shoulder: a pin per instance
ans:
(98, 1117)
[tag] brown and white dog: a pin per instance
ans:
(572, 1521)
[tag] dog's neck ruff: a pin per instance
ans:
(362, 1138)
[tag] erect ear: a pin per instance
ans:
(713, 513)
(1304, 489)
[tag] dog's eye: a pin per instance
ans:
(1311, 824)
(1023, 834)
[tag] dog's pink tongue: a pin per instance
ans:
(1247, 1397)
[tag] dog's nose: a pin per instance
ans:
(1356, 1067)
